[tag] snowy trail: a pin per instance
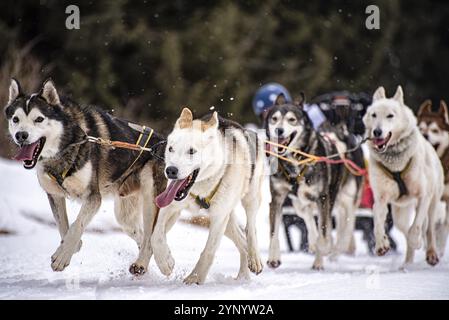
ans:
(99, 270)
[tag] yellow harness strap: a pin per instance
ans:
(143, 140)
(205, 202)
(63, 175)
(298, 177)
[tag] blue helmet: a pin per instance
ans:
(266, 96)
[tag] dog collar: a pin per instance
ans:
(205, 202)
(398, 177)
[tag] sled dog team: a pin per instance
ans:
(212, 163)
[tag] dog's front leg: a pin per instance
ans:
(61, 258)
(431, 253)
(161, 251)
(58, 207)
(414, 236)
(218, 222)
(277, 199)
(380, 211)
(307, 214)
(325, 229)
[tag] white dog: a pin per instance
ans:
(211, 165)
(405, 171)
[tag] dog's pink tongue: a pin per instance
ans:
(166, 197)
(379, 142)
(26, 152)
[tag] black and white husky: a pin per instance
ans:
(51, 134)
(313, 188)
(211, 165)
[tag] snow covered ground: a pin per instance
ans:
(100, 269)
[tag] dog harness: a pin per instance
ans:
(205, 202)
(59, 178)
(398, 177)
(293, 180)
(143, 140)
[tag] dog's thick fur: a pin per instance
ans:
(397, 145)
(435, 128)
(317, 187)
(217, 159)
(69, 167)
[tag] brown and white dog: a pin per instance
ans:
(435, 128)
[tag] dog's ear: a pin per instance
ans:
(14, 90)
(185, 119)
(426, 107)
(442, 111)
(280, 100)
(379, 94)
(299, 101)
(399, 95)
(49, 93)
(211, 123)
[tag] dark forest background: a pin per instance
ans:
(145, 59)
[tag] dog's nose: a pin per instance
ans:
(21, 136)
(279, 131)
(426, 136)
(172, 172)
(377, 132)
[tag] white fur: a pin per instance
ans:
(14, 91)
(51, 129)
(415, 213)
(223, 162)
(289, 123)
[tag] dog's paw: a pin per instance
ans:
(255, 263)
(61, 258)
(243, 275)
(273, 264)
(194, 278)
(317, 266)
(383, 246)
(414, 238)
(432, 257)
(137, 269)
(165, 262)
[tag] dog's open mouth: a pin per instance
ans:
(436, 146)
(176, 190)
(29, 153)
(382, 143)
(285, 142)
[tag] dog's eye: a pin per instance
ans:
(39, 119)
(15, 119)
(434, 131)
(170, 149)
(274, 119)
(390, 116)
(191, 151)
(373, 115)
(292, 120)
